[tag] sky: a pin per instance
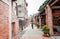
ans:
(33, 6)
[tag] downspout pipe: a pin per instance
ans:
(10, 19)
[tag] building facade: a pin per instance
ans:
(49, 14)
(22, 13)
(4, 20)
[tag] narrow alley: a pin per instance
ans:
(29, 33)
(29, 19)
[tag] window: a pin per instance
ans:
(20, 6)
(20, 11)
(13, 0)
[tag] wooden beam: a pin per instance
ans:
(55, 7)
(49, 1)
(54, 2)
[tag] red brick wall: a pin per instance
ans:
(49, 20)
(15, 26)
(3, 20)
(15, 23)
(4, 10)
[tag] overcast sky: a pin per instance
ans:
(33, 6)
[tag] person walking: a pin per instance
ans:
(32, 23)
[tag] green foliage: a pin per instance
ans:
(45, 29)
(37, 24)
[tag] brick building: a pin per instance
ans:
(49, 14)
(4, 23)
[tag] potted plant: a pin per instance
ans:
(37, 24)
(45, 30)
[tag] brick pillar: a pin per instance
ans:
(36, 18)
(49, 21)
(40, 21)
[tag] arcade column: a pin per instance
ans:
(49, 19)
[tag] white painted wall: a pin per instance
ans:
(23, 9)
(21, 2)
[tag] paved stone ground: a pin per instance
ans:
(56, 37)
(30, 33)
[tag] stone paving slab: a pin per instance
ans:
(47, 38)
(36, 37)
(30, 33)
(31, 37)
(56, 37)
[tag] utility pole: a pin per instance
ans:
(10, 19)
